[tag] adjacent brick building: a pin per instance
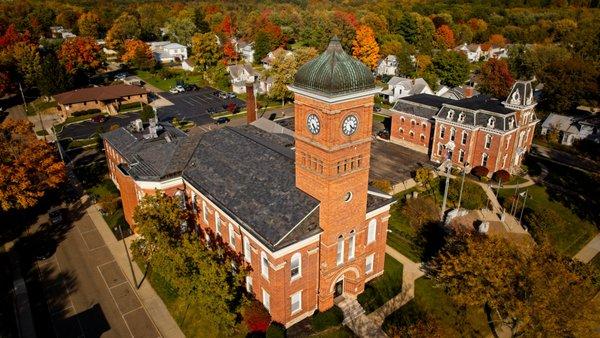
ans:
(479, 130)
(299, 208)
(106, 98)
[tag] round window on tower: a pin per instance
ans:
(348, 197)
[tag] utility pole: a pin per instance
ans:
(523, 209)
(462, 183)
(513, 208)
(128, 257)
(23, 97)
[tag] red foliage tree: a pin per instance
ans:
(256, 317)
(480, 171)
(347, 17)
(11, 36)
(501, 175)
(226, 27)
(445, 36)
(229, 51)
(80, 53)
(496, 78)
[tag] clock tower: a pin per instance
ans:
(333, 131)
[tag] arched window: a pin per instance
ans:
(412, 122)
(264, 265)
(412, 134)
(351, 245)
(461, 117)
(484, 159)
(422, 137)
(372, 231)
(424, 125)
(464, 137)
(488, 141)
(450, 114)
(452, 134)
(340, 250)
(491, 122)
(296, 266)
(402, 120)
(401, 131)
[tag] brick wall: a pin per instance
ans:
(411, 131)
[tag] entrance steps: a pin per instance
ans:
(351, 309)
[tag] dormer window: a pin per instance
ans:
(511, 123)
(450, 114)
(461, 117)
(491, 122)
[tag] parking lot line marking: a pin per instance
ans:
(113, 298)
(128, 312)
(103, 264)
(114, 286)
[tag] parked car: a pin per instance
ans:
(180, 88)
(223, 96)
(43, 248)
(230, 95)
(190, 87)
(99, 118)
(121, 76)
(173, 91)
(384, 134)
(222, 120)
(55, 215)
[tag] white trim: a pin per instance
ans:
(298, 256)
(159, 185)
(378, 211)
(299, 295)
(352, 245)
(375, 193)
(247, 250)
(301, 318)
(266, 298)
(339, 253)
(294, 227)
(372, 258)
(334, 99)
(372, 223)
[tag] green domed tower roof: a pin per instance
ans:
(334, 73)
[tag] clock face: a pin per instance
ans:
(350, 124)
(313, 124)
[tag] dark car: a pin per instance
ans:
(222, 120)
(99, 118)
(55, 215)
(376, 109)
(384, 134)
(44, 248)
(190, 87)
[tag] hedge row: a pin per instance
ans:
(86, 112)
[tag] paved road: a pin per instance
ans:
(86, 291)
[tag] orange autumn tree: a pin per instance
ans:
(138, 54)
(445, 36)
(364, 46)
(229, 51)
(497, 40)
(28, 166)
(80, 53)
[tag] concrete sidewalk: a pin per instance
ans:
(589, 251)
(153, 304)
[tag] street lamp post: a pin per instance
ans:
(462, 183)
(525, 194)
(128, 257)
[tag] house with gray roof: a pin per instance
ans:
(572, 128)
(167, 51)
(399, 87)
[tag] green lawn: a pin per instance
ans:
(39, 105)
(166, 84)
(452, 321)
(378, 118)
(569, 236)
(382, 288)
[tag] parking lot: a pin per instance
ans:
(87, 129)
(195, 105)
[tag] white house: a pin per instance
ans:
(497, 52)
(387, 66)
(188, 65)
(244, 49)
(240, 75)
(472, 51)
(166, 51)
(268, 60)
(456, 93)
(573, 128)
(399, 87)
(265, 85)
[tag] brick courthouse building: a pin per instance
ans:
(478, 130)
(304, 216)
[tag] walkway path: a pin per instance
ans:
(154, 305)
(589, 251)
(411, 271)
(358, 322)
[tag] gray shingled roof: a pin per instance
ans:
(334, 72)
(252, 178)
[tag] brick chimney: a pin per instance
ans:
(468, 92)
(250, 103)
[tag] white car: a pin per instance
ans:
(180, 88)
(173, 91)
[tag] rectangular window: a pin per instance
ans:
(439, 149)
(296, 302)
(461, 156)
(442, 132)
(266, 300)
(369, 263)
(372, 231)
(217, 223)
(231, 236)
(204, 212)
(249, 284)
(247, 250)
(339, 259)
(351, 246)
(464, 138)
(264, 265)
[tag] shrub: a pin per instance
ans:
(86, 112)
(327, 319)
(423, 175)
(164, 73)
(276, 330)
(420, 211)
(256, 317)
(501, 175)
(480, 171)
(147, 113)
(383, 185)
(110, 203)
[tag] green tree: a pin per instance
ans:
(262, 46)
(28, 62)
(218, 77)
(53, 77)
(152, 18)
(88, 24)
(570, 83)
(451, 67)
(181, 29)
(199, 20)
(207, 275)
(206, 52)
(126, 26)
(283, 72)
